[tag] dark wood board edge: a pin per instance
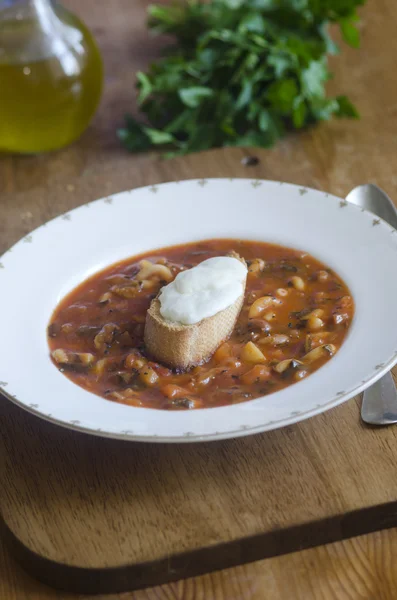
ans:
(204, 560)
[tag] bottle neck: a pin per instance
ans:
(40, 10)
(25, 4)
(31, 30)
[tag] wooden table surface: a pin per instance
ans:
(335, 157)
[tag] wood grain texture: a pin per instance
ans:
(89, 514)
(69, 497)
(362, 568)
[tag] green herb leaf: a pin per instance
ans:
(281, 63)
(193, 96)
(145, 87)
(346, 108)
(253, 139)
(133, 136)
(252, 22)
(313, 79)
(331, 47)
(299, 113)
(158, 137)
(201, 138)
(281, 95)
(240, 72)
(245, 95)
(350, 33)
(323, 108)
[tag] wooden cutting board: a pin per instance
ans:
(97, 515)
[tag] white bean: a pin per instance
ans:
(315, 323)
(298, 283)
(282, 292)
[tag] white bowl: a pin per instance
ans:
(40, 269)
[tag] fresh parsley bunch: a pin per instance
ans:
(242, 72)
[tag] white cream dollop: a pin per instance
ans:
(203, 291)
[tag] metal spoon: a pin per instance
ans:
(379, 406)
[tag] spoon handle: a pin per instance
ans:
(373, 198)
(379, 406)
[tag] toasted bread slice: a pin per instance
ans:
(184, 346)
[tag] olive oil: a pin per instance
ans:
(49, 93)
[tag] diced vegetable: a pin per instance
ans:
(65, 357)
(148, 376)
(134, 360)
(278, 339)
(319, 352)
(256, 374)
(252, 354)
(223, 352)
(174, 391)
